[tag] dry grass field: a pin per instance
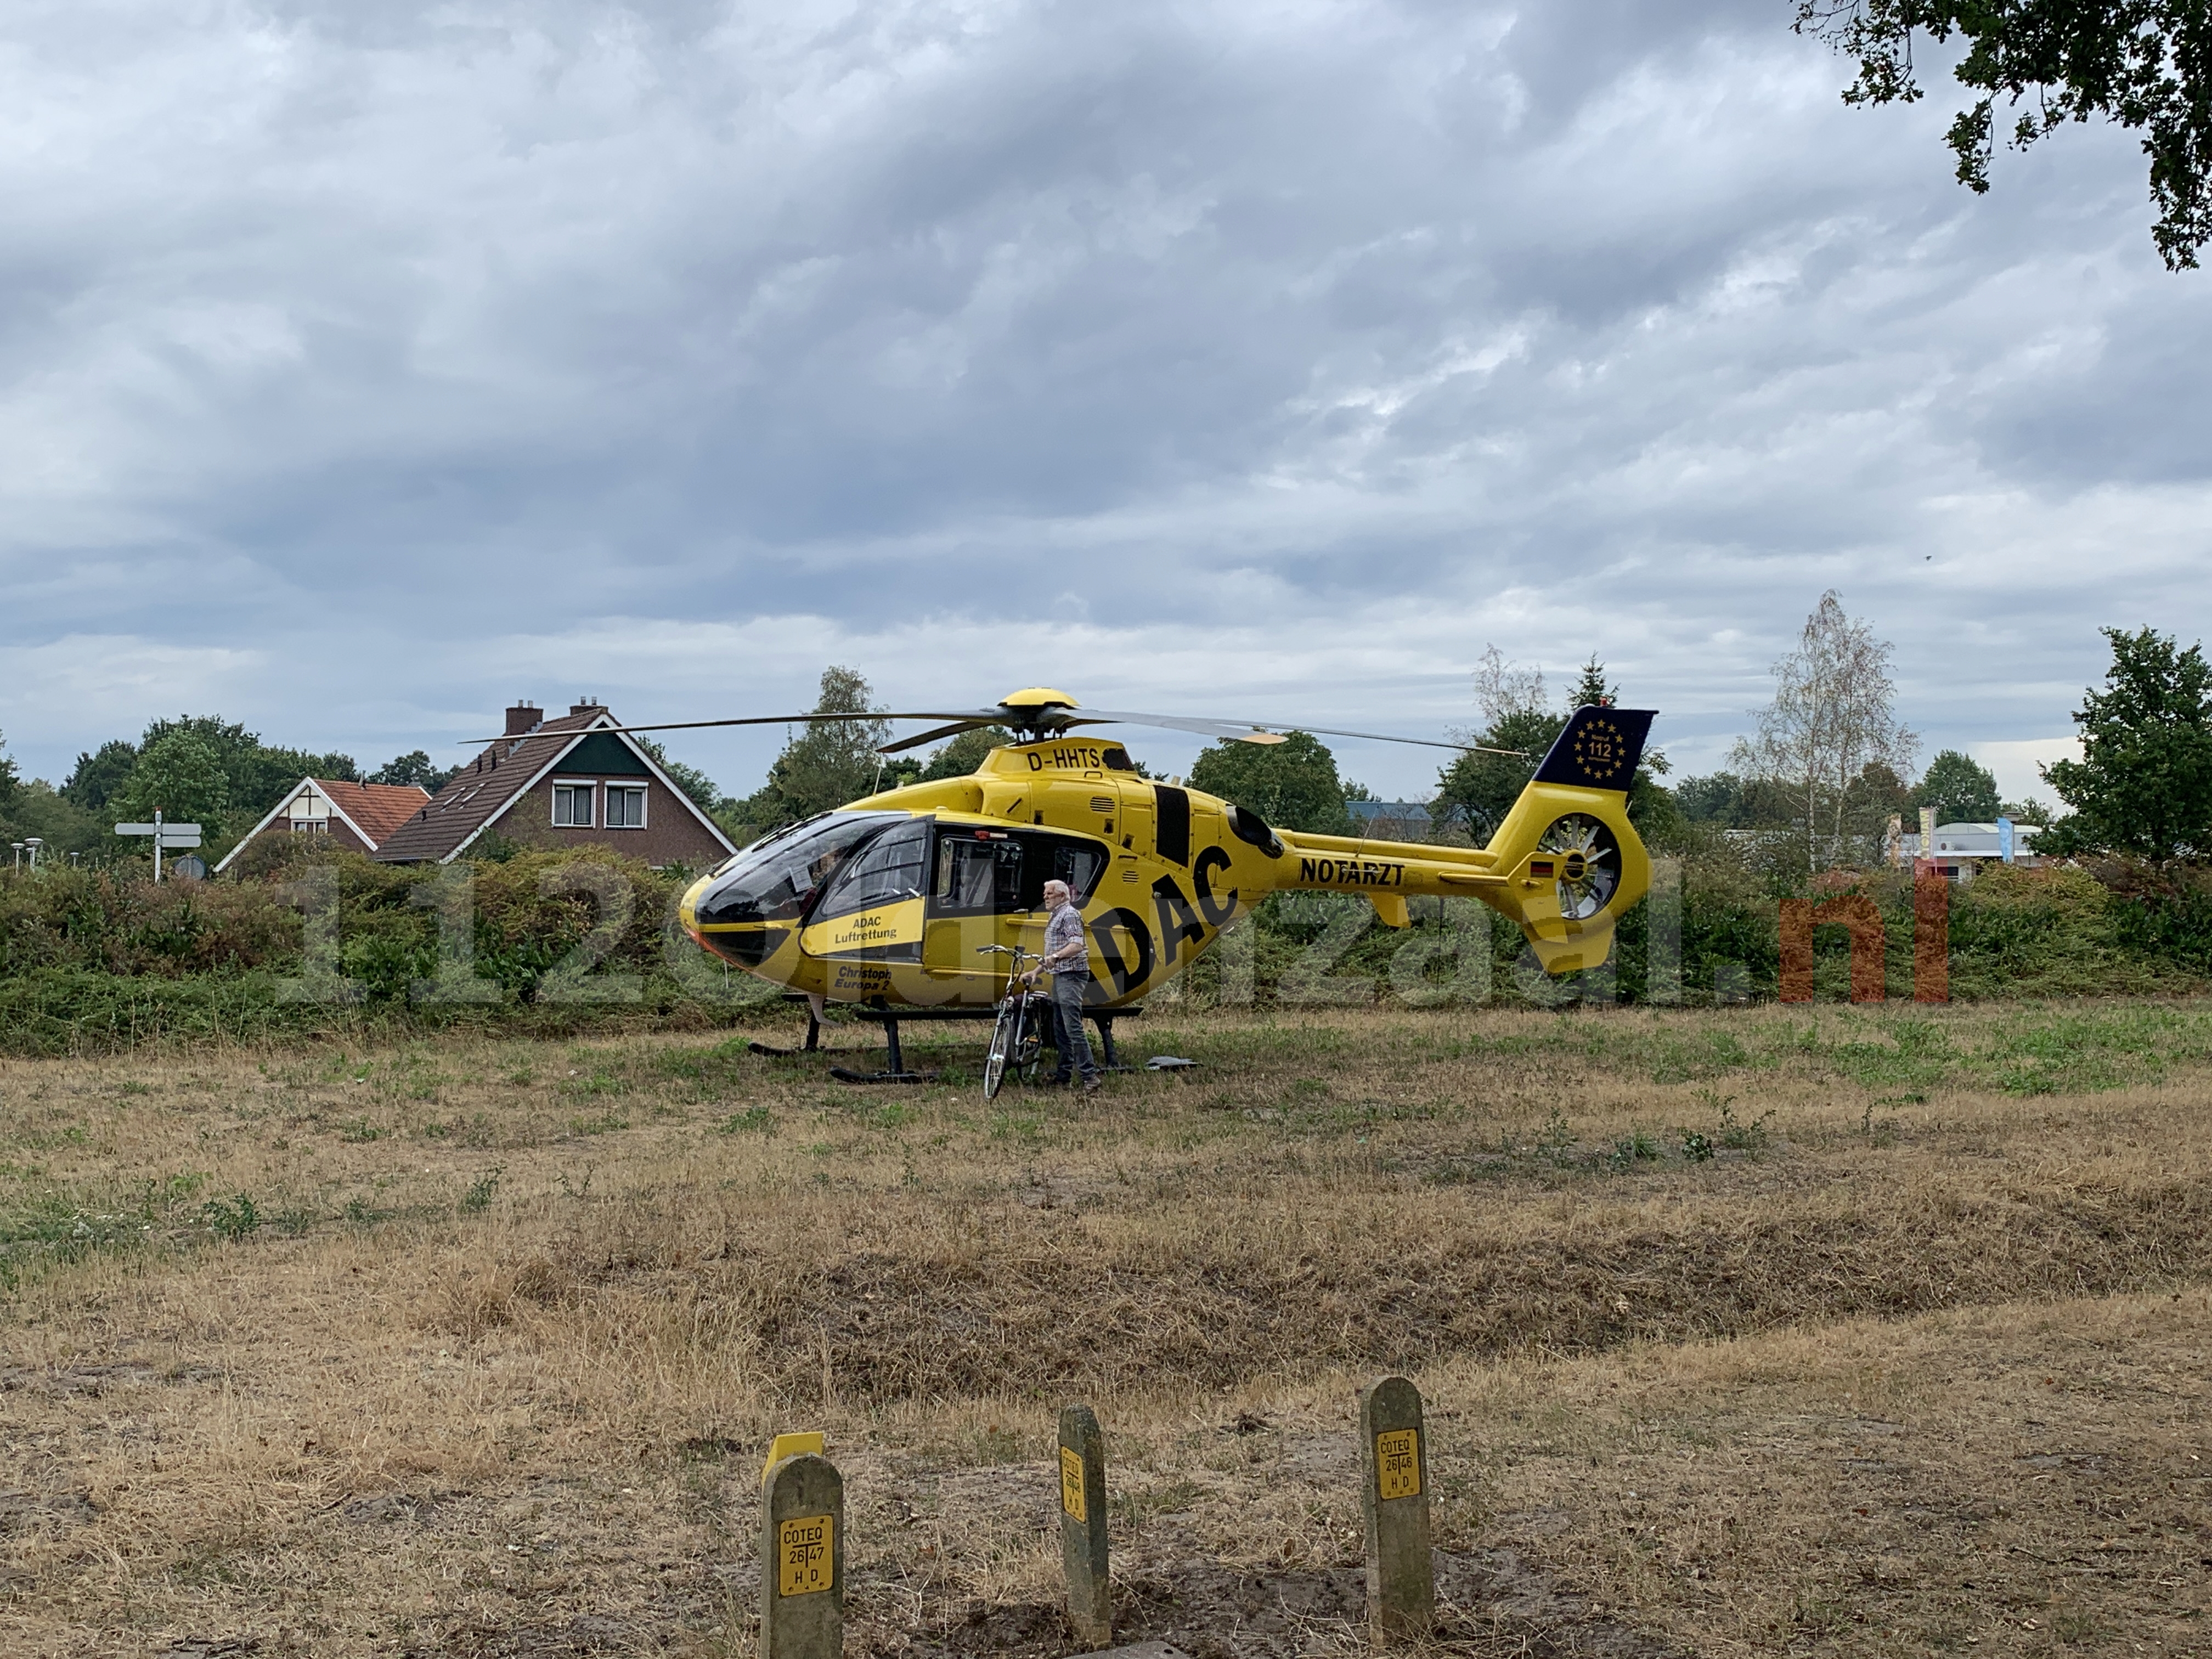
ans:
(1755, 1331)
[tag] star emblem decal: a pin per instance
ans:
(1598, 749)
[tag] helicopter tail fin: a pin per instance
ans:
(1576, 861)
(1599, 749)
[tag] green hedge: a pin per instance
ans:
(90, 962)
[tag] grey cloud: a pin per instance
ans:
(416, 340)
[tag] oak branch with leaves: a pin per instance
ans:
(2144, 63)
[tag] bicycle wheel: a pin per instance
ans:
(1029, 1052)
(1003, 1038)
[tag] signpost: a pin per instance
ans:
(176, 837)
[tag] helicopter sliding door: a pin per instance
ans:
(987, 887)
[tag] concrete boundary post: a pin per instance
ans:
(803, 1559)
(1083, 1527)
(1401, 1591)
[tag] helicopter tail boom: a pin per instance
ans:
(1564, 866)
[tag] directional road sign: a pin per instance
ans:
(171, 834)
(165, 835)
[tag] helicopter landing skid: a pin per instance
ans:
(894, 1071)
(813, 1042)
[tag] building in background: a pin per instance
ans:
(358, 816)
(568, 781)
(1958, 849)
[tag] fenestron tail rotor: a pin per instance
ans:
(1587, 855)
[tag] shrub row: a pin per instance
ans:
(584, 939)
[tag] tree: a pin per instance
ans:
(1729, 801)
(37, 809)
(1593, 689)
(704, 792)
(2143, 785)
(826, 763)
(1291, 784)
(255, 775)
(413, 767)
(1875, 796)
(2144, 63)
(180, 775)
(1959, 791)
(98, 776)
(963, 754)
(1832, 716)
(9, 781)
(1515, 716)
(1716, 798)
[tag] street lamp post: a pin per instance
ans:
(35, 842)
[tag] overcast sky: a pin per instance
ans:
(366, 367)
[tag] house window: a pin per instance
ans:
(572, 806)
(625, 806)
(311, 826)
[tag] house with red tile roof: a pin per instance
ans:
(568, 781)
(360, 816)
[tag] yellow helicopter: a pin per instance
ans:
(890, 905)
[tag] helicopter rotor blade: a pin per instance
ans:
(982, 716)
(1260, 731)
(1050, 718)
(1242, 731)
(1427, 742)
(932, 736)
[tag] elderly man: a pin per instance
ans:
(1067, 959)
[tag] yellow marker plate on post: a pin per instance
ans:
(1070, 1483)
(789, 1445)
(1398, 1463)
(803, 1561)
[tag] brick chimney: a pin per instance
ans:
(523, 717)
(586, 706)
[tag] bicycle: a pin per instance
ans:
(1015, 1039)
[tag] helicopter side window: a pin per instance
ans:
(1077, 865)
(888, 870)
(1058, 858)
(979, 872)
(1003, 871)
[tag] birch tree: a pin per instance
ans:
(1833, 714)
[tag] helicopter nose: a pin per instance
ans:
(722, 912)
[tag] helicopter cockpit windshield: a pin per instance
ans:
(776, 879)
